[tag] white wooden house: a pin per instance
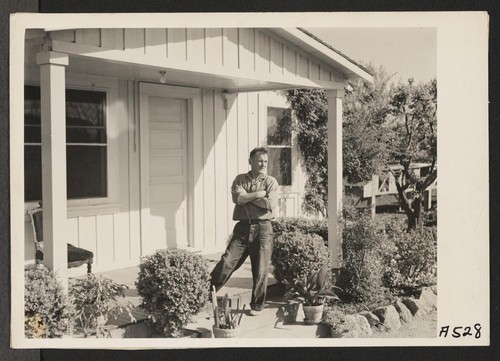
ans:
(159, 123)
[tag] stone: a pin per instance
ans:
(389, 317)
(370, 317)
(434, 289)
(428, 299)
(357, 326)
(404, 313)
(415, 306)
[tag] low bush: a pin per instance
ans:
(334, 319)
(174, 286)
(300, 224)
(96, 300)
(429, 218)
(364, 250)
(414, 262)
(47, 311)
(296, 254)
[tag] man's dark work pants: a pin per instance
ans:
(254, 238)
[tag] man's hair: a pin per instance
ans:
(258, 150)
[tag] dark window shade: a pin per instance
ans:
(280, 165)
(86, 161)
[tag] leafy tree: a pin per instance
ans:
(413, 138)
(366, 106)
(364, 140)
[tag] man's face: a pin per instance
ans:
(259, 163)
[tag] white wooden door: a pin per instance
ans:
(164, 147)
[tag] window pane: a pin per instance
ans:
(32, 173)
(32, 134)
(280, 165)
(86, 135)
(86, 167)
(278, 126)
(32, 105)
(85, 108)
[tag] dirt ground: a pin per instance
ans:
(420, 327)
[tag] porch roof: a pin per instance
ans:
(248, 60)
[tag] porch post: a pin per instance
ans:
(335, 183)
(53, 114)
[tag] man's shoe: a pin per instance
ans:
(254, 312)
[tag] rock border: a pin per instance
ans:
(390, 317)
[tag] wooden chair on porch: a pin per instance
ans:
(76, 256)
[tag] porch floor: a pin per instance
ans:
(269, 324)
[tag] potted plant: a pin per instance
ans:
(312, 291)
(174, 286)
(226, 322)
(96, 301)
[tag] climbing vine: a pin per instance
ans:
(310, 108)
(366, 106)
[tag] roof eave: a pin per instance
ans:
(327, 55)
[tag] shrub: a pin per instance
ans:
(429, 218)
(364, 250)
(46, 308)
(296, 254)
(334, 319)
(413, 264)
(96, 300)
(304, 225)
(174, 286)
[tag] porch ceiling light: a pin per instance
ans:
(163, 76)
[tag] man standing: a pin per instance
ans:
(255, 195)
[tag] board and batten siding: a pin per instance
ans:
(110, 231)
(228, 137)
(230, 130)
(258, 51)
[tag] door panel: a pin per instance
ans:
(167, 137)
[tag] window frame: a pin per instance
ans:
(280, 146)
(112, 202)
(294, 186)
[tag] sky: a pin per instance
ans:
(408, 52)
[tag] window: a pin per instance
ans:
(279, 144)
(86, 144)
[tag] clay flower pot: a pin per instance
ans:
(225, 333)
(313, 314)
